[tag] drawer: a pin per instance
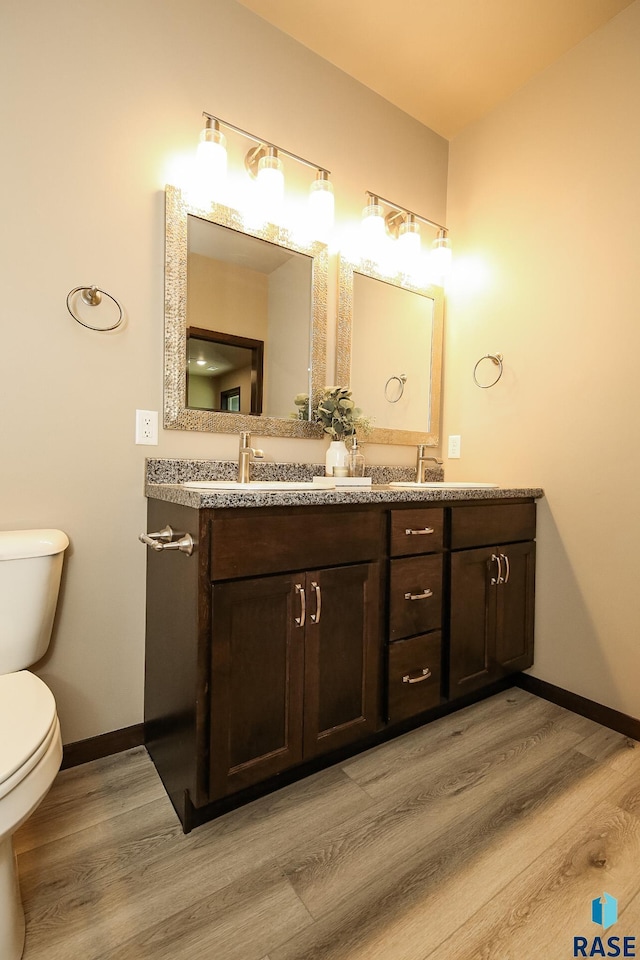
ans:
(414, 676)
(248, 544)
(415, 596)
(479, 526)
(416, 531)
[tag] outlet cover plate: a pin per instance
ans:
(147, 427)
(454, 447)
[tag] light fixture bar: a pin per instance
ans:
(432, 223)
(267, 143)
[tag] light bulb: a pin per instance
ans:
(210, 168)
(270, 186)
(408, 248)
(440, 266)
(373, 231)
(321, 207)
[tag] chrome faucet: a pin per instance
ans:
(245, 455)
(421, 462)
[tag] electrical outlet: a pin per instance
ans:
(454, 447)
(147, 427)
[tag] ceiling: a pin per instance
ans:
(444, 62)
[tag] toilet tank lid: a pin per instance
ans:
(20, 544)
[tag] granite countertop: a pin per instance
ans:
(165, 477)
(376, 493)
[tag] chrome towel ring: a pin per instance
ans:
(92, 296)
(402, 379)
(497, 360)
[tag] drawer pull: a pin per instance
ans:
(315, 617)
(420, 533)
(507, 567)
(424, 675)
(303, 606)
(419, 596)
(499, 579)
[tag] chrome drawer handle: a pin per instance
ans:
(507, 567)
(424, 675)
(315, 617)
(303, 606)
(419, 596)
(420, 533)
(497, 580)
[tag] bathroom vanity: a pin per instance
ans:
(306, 627)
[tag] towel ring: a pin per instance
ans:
(402, 379)
(497, 360)
(92, 296)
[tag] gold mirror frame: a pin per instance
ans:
(177, 416)
(344, 355)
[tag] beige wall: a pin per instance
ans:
(544, 206)
(288, 342)
(98, 99)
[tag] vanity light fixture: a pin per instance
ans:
(441, 257)
(373, 231)
(404, 226)
(321, 205)
(263, 162)
(211, 165)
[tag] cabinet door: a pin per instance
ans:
(256, 680)
(491, 625)
(473, 620)
(342, 656)
(515, 602)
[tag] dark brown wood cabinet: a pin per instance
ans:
(295, 635)
(414, 653)
(491, 614)
(294, 670)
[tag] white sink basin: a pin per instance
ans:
(255, 485)
(444, 485)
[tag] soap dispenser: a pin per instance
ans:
(355, 458)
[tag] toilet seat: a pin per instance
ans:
(28, 724)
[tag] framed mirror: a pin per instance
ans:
(245, 323)
(389, 353)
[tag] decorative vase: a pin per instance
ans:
(337, 456)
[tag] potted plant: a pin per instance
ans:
(340, 418)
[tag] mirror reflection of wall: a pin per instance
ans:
(249, 288)
(391, 354)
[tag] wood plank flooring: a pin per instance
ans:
(483, 836)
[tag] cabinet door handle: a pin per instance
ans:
(303, 606)
(419, 596)
(507, 567)
(315, 617)
(499, 579)
(420, 533)
(424, 675)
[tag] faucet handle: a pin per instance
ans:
(258, 454)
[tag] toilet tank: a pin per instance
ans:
(30, 569)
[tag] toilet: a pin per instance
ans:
(30, 741)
